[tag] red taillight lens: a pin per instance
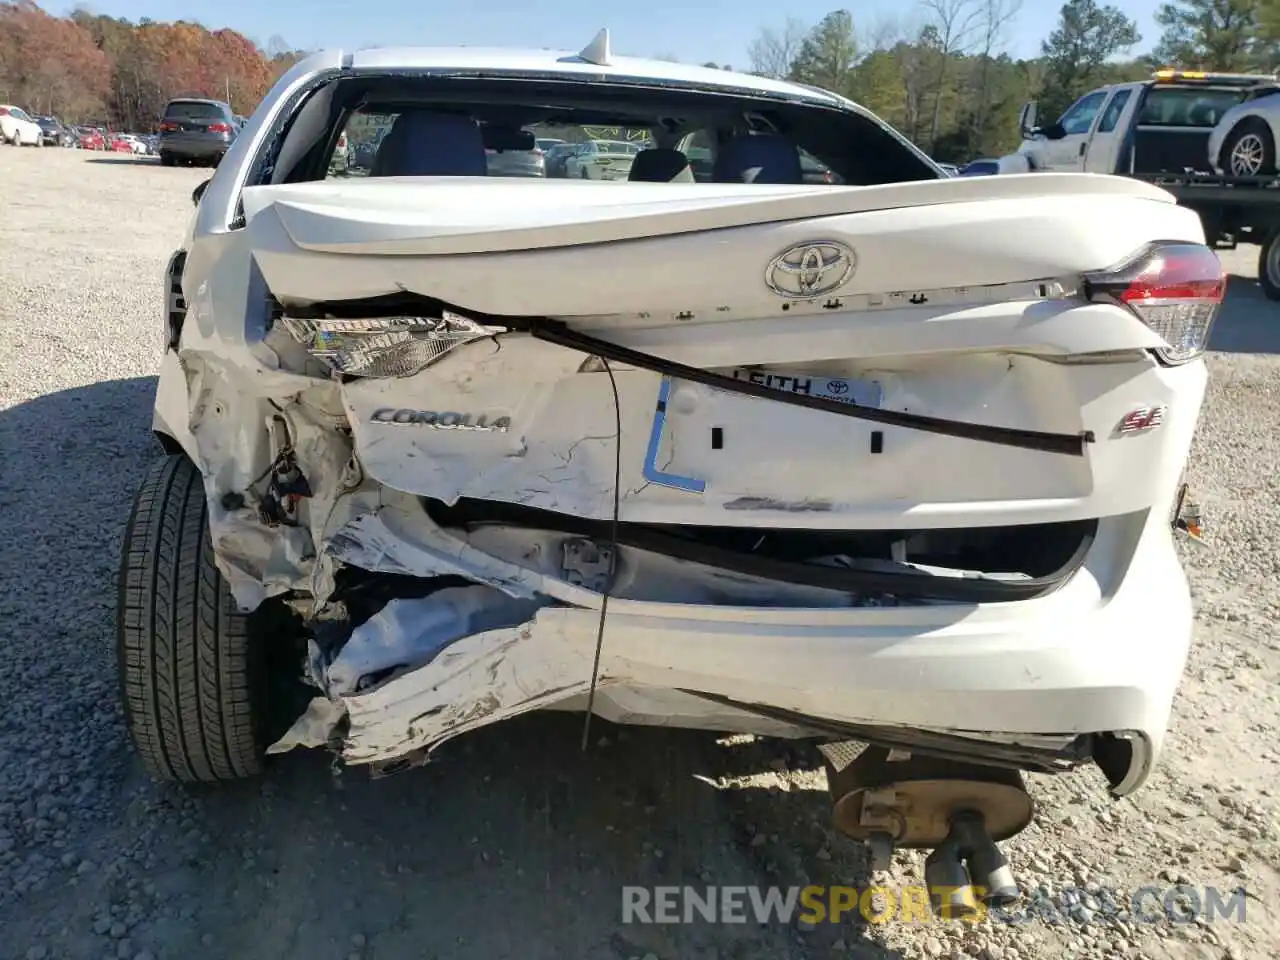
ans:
(168, 127)
(1178, 272)
(219, 128)
(1175, 288)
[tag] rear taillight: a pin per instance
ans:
(1175, 288)
(168, 127)
(219, 128)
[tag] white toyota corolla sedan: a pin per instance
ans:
(892, 459)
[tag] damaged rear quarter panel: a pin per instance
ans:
(479, 680)
(447, 464)
(217, 395)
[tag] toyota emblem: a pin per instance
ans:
(809, 270)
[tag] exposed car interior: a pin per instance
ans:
(448, 126)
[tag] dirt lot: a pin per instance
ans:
(516, 844)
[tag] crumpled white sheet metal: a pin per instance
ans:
(443, 699)
(411, 632)
(455, 624)
(314, 728)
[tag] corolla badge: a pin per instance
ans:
(443, 420)
(810, 269)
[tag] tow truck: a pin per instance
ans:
(1158, 130)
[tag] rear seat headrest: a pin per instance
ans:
(426, 144)
(758, 158)
(660, 165)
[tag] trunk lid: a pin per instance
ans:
(960, 305)
(558, 247)
(426, 215)
(612, 166)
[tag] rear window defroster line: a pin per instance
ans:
(557, 332)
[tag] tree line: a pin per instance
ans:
(90, 68)
(943, 75)
(945, 79)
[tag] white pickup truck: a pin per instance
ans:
(1162, 130)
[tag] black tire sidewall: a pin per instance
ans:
(1270, 285)
(227, 635)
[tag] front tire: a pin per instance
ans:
(192, 681)
(166, 159)
(1249, 150)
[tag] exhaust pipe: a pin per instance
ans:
(968, 867)
(961, 810)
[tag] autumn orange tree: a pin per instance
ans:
(49, 63)
(111, 70)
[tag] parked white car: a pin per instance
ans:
(602, 160)
(18, 128)
(892, 461)
(1243, 143)
(136, 144)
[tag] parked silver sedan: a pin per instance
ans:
(602, 160)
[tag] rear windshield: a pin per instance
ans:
(433, 126)
(192, 110)
(1187, 106)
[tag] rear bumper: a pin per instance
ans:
(193, 145)
(1096, 656)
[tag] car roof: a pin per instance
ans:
(215, 103)
(570, 65)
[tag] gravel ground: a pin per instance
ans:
(492, 853)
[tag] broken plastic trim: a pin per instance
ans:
(559, 333)
(943, 746)
(918, 586)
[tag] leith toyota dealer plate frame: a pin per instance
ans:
(867, 393)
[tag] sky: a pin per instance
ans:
(693, 32)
